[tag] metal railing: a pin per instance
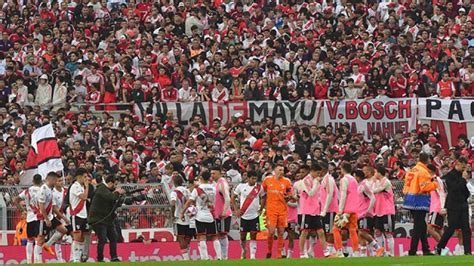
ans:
(154, 212)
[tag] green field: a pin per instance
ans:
(433, 260)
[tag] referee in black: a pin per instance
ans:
(457, 207)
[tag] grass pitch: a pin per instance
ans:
(395, 261)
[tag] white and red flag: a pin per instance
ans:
(44, 155)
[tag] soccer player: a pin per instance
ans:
(365, 213)
(384, 209)
(30, 197)
(184, 233)
(249, 194)
(278, 190)
(47, 221)
(347, 208)
(203, 196)
(311, 222)
(222, 211)
(437, 210)
(59, 192)
(329, 203)
(78, 212)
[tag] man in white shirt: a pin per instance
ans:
(249, 194)
(220, 94)
(203, 196)
(30, 197)
(184, 92)
(184, 233)
(78, 212)
(357, 77)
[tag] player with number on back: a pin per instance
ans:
(30, 197)
(203, 196)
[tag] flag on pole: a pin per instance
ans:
(44, 155)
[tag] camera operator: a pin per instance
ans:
(102, 216)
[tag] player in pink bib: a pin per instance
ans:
(365, 212)
(437, 210)
(328, 197)
(222, 211)
(348, 200)
(384, 209)
(311, 222)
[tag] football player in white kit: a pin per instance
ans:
(77, 210)
(30, 197)
(59, 193)
(184, 233)
(203, 196)
(249, 210)
(48, 222)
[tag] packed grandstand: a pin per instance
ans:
(164, 94)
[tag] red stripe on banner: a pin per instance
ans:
(47, 149)
(220, 112)
(210, 114)
(457, 129)
(31, 160)
(438, 126)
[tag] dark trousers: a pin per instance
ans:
(457, 219)
(103, 233)
(419, 232)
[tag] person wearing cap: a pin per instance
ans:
(44, 92)
(418, 185)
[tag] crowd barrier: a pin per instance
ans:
(170, 251)
(386, 116)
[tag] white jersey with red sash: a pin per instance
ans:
(30, 197)
(220, 96)
(77, 206)
(204, 195)
(249, 200)
(180, 195)
(58, 197)
(45, 197)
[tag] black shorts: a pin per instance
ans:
(437, 220)
(250, 226)
(44, 230)
(32, 229)
(79, 224)
(366, 224)
(223, 225)
(185, 230)
(310, 222)
(385, 223)
(328, 222)
(206, 228)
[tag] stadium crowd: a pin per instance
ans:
(55, 56)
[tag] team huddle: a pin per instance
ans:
(53, 209)
(360, 207)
